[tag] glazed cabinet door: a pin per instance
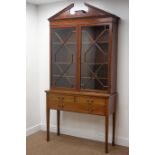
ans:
(94, 57)
(63, 56)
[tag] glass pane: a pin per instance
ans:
(63, 57)
(94, 57)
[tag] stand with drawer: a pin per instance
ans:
(83, 51)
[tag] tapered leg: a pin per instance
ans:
(58, 122)
(48, 123)
(106, 133)
(113, 129)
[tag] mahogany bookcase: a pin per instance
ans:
(83, 65)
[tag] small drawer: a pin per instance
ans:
(54, 97)
(92, 100)
(61, 98)
(68, 99)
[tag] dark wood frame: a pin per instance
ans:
(72, 99)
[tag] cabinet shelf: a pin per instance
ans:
(101, 78)
(89, 63)
(93, 63)
(68, 43)
(84, 43)
(62, 63)
(98, 42)
(66, 76)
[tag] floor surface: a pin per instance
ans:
(68, 145)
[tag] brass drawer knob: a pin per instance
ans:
(90, 109)
(88, 101)
(92, 101)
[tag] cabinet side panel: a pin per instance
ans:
(50, 55)
(114, 58)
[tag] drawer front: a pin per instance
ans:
(58, 101)
(68, 99)
(92, 100)
(54, 98)
(61, 98)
